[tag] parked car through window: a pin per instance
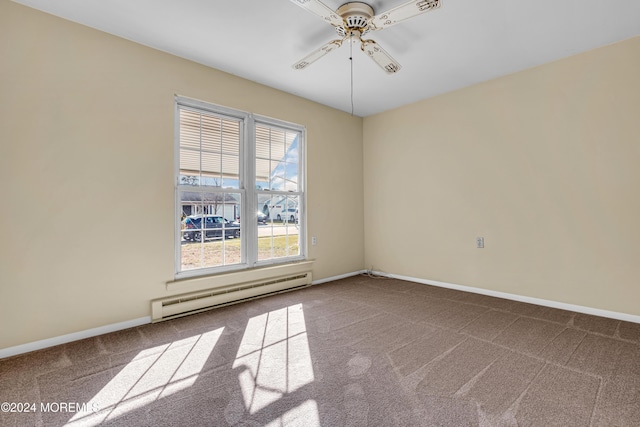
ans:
(214, 226)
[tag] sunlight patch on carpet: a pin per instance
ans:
(274, 358)
(153, 374)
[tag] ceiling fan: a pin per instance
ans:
(355, 19)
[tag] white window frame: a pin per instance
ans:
(247, 188)
(301, 193)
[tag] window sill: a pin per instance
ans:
(237, 277)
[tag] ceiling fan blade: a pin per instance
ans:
(382, 58)
(402, 12)
(320, 9)
(317, 54)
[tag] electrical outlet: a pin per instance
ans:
(480, 242)
(314, 241)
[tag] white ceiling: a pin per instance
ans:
(461, 43)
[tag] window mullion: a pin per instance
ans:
(200, 145)
(250, 205)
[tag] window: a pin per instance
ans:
(239, 189)
(277, 185)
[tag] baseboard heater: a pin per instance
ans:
(195, 302)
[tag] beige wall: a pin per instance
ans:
(545, 164)
(86, 173)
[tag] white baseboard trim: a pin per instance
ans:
(531, 300)
(63, 339)
(341, 276)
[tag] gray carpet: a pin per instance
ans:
(355, 352)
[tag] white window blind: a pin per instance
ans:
(210, 147)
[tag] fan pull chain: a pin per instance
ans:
(351, 62)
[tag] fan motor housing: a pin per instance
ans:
(355, 14)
